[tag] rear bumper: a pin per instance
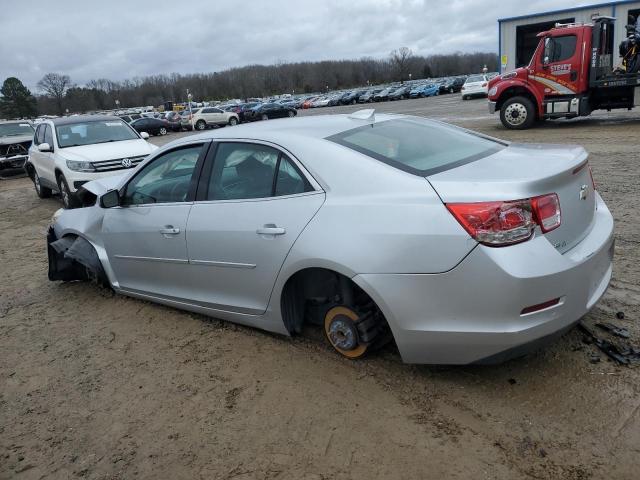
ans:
(472, 314)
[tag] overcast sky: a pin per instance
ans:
(119, 39)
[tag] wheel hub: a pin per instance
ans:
(516, 114)
(343, 333)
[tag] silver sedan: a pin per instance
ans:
(375, 228)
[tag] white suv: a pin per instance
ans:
(68, 152)
(208, 117)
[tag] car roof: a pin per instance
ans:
(84, 118)
(315, 127)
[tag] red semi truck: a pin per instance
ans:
(570, 74)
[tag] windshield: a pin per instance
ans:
(475, 78)
(91, 132)
(15, 129)
(417, 146)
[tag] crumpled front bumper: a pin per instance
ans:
(13, 164)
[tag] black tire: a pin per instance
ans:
(233, 121)
(450, 89)
(291, 114)
(353, 102)
(517, 113)
(162, 131)
(464, 97)
(42, 192)
(201, 125)
(69, 200)
(264, 116)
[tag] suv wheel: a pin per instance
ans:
(264, 116)
(163, 131)
(68, 199)
(291, 113)
(43, 192)
(233, 121)
(201, 125)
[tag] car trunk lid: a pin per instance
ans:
(526, 171)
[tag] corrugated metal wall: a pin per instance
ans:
(508, 28)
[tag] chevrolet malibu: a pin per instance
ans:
(458, 247)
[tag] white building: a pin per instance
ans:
(517, 35)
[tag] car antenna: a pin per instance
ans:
(365, 114)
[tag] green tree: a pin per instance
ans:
(16, 100)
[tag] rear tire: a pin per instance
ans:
(201, 125)
(69, 200)
(464, 97)
(264, 116)
(163, 131)
(517, 113)
(43, 192)
(291, 114)
(233, 121)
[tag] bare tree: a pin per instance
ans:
(401, 59)
(55, 85)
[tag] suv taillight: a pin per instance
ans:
(501, 223)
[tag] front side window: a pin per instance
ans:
(39, 137)
(417, 145)
(165, 180)
(245, 171)
(92, 132)
(48, 136)
(557, 49)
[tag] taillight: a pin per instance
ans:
(497, 224)
(547, 211)
(593, 182)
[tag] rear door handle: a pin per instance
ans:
(169, 230)
(271, 229)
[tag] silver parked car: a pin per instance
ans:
(458, 247)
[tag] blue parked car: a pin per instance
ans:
(428, 90)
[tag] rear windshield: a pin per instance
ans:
(475, 78)
(417, 146)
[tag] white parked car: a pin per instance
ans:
(475, 86)
(68, 152)
(205, 117)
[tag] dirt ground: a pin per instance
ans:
(106, 387)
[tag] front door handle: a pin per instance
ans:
(169, 230)
(573, 75)
(271, 229)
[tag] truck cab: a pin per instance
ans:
(570, 74)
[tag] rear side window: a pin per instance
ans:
(417, 146)
(246, 171)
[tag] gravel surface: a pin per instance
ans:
(107, 387)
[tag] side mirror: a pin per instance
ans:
(144, 135)
(110, 199)
(45, 147)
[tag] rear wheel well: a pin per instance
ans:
(310, 294)
(517, 92)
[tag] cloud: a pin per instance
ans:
(120, 39)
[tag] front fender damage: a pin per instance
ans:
(74, 258)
